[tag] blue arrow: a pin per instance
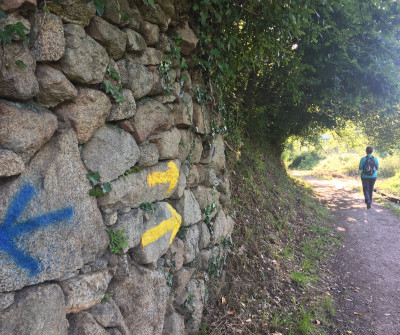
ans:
(10, 229)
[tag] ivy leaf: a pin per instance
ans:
(113, 73)
(106, 187)
(96, 192)
(124, 16)
(47, 10)
(120, 97)
(19, 29)
(21, 64)
(184, 64)
(93, 177)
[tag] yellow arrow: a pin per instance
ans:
(170, 176)
(164, 227)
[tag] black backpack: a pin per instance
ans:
(369, 166)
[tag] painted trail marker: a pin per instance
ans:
(170, 176)
(11, 229)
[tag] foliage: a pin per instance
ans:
(118, 241)
(306, 161)
(99, 188)
(106, 297)
(284, 68)
(147, 207)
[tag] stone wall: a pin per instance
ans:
(112, 195)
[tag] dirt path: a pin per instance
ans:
(367, 267)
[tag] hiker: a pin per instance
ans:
(369, 166)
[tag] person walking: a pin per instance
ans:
(369, 166)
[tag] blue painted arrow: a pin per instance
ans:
(10, 229)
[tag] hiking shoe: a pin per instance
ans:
(368, 205)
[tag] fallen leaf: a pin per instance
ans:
(248, 320)
(349, 332)
(358, 313)
(243, 304)
(223, 301)
(317, 322)
(231, 312)
(387, 314)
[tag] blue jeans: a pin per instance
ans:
(368, 188)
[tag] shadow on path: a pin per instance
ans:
(367, 266)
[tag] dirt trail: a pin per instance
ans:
(367, 267)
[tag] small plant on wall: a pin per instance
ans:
(118, 241)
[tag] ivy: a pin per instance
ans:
(99, 189)
(10, 29)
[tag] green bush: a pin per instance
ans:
(305, 161)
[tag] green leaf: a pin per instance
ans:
(93, 177)
(124, 16)
(106, 187)
(46, 9)
(100, 4)
(21, 64)
(120, 97)
(96, 192)
(113, 73)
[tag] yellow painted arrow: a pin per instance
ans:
(170, 176)
(164, 227)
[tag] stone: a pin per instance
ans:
(168, 143)
(10, 163)
(14, 18)
(180, 187)
(142, 299)
(88, 112)
(167, 7)
(36, 310)
(110, 151)
(113, 10)
(75, 12)
(175, 254)
(54, 87)
(53, 183)
(191, 241)
(179, 282)
(189, 38)
(36, 123)
(85, 291)
(188, 144)
(163, 43)
(204, 258)
(188, 208)
(222, 227)
(151, 117)
(218, 154)
(183, 111)
(156, 15)
(136, 77)
(198, 119)
(8, 5)
(225, 190)
(127, 126)
(85, 61)
(109, 36)
(151, 33)
(151, 56)
(193, 176)
(6, 300)
(174, 324)
(108, 315)
(124, 109)
(17, 81)
(158, 233)
(148, 185)
(132, 225)
(148, 155)
(135, 42)
(205, 236)
(171, 96)
(83, 323)
(47, 37)
(207, 198)
(186, 80)
(195, 305)
(159, 82)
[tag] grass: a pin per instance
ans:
(272, 278)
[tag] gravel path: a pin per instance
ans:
(367, 267)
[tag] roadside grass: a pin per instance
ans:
(389, 205)
(273, 278)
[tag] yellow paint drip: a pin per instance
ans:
(164, 227)
(170, 176)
